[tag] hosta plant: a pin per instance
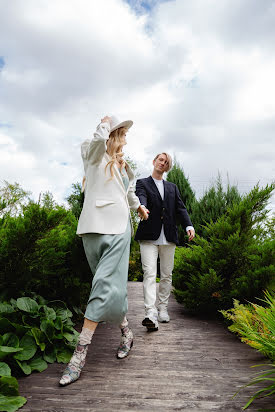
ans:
(33, 333)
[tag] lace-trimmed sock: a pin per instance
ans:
(74, 367)
(126, 340)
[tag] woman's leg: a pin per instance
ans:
(74, 367)
(126, 340)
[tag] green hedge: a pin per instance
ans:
(40, 253)
(235, 261)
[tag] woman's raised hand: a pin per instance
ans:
(106, 119)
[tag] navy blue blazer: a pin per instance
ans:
(167, 211)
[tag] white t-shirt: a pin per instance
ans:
(162, 239)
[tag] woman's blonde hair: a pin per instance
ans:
(114, 149)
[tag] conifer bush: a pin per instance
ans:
(234, 261)
(40, 253)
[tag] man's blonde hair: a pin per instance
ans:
(169, 159)
(114, 149)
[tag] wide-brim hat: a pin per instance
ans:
(116, 124)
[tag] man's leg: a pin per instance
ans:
(149, 256)
(166, 257)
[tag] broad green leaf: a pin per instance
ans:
(39, 337)
(8, 386)
(10, 339)
(6, 308)
(4, 369)
(64, 313)
(69, 336)
(50, 355)
(24, 366)
(6, 350)
(49, 313)
(13, 302)
(58, 323)
(27, 305)
(29, 348)
(5, 326)
(20, 330)
(63, 355)
(47, 326)
(11, 403)
(38, 364)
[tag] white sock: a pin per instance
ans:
(124, 323)
(85, 336)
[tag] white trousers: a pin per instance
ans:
(149, 255)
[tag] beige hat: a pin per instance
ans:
(116, 124)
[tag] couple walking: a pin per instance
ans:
(105, 227)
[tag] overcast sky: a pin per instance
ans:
(196, 77)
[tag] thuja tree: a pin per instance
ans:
(40, 253)
(176, 175)
(233, 261)
(213, 204)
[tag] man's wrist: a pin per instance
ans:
(190, 228)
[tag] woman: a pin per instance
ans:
(105, 227)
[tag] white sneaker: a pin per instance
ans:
(163, 316)
(151, 321)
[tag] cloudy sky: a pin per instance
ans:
(196, 77)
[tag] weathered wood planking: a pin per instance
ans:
(190, 364)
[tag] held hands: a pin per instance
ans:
(190, 234)
(143, 212)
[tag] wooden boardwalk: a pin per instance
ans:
(190, 364)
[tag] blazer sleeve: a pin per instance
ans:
(141, 192)
(133, 200)
(181, 210)
(93, 150)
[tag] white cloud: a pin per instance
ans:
(196, 78)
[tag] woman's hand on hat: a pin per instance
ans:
(106, 119)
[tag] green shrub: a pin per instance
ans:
(232, 262)
(33, 333)
(40, 252)
(255, 325)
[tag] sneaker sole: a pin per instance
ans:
(164, 321)
(150, 325)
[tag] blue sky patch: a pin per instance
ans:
(5, 125)
(144, 6)
(2, 62)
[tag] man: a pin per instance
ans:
(158, 236)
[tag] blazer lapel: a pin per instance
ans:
(166, 190)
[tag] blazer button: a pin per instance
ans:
(161, 217)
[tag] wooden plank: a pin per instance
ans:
(190, 364)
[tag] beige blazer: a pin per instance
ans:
(107, 204)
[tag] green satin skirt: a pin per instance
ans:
(108, 257)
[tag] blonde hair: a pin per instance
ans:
(114, 150)
(169, 159)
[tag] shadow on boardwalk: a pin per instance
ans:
(190, 364)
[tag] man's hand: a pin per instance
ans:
(190, 234)
(143, 212)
